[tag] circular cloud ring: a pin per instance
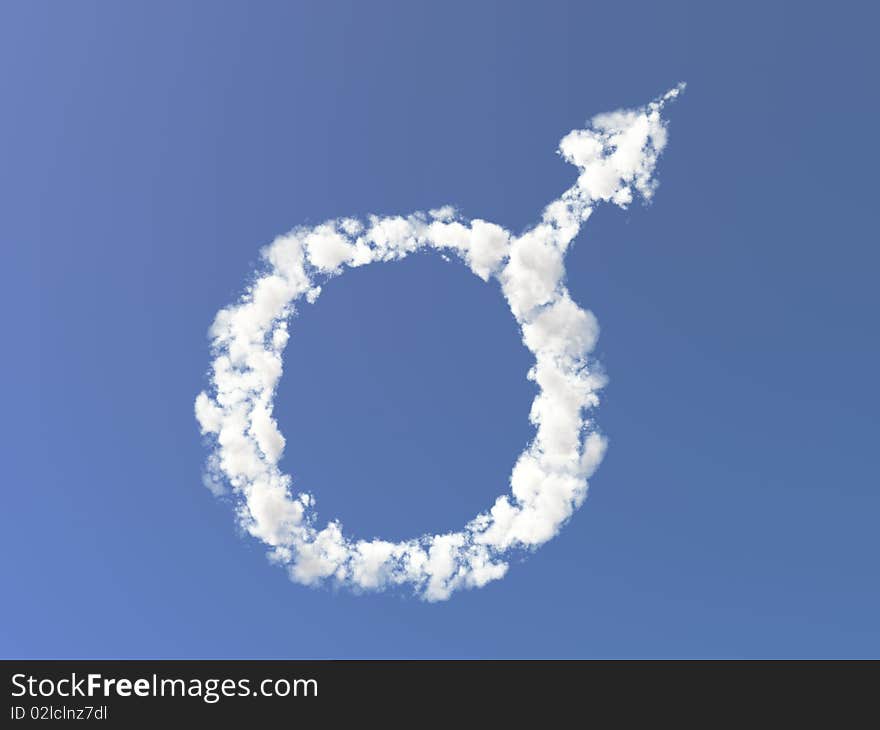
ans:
(616, 156)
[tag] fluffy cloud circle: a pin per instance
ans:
(616, 156)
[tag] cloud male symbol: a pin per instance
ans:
(616, 156)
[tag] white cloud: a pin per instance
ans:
(616, 156)
(327, 248)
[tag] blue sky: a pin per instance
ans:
(149, 150)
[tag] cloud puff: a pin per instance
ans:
(616, 156)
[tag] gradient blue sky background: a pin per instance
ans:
(147, 151)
